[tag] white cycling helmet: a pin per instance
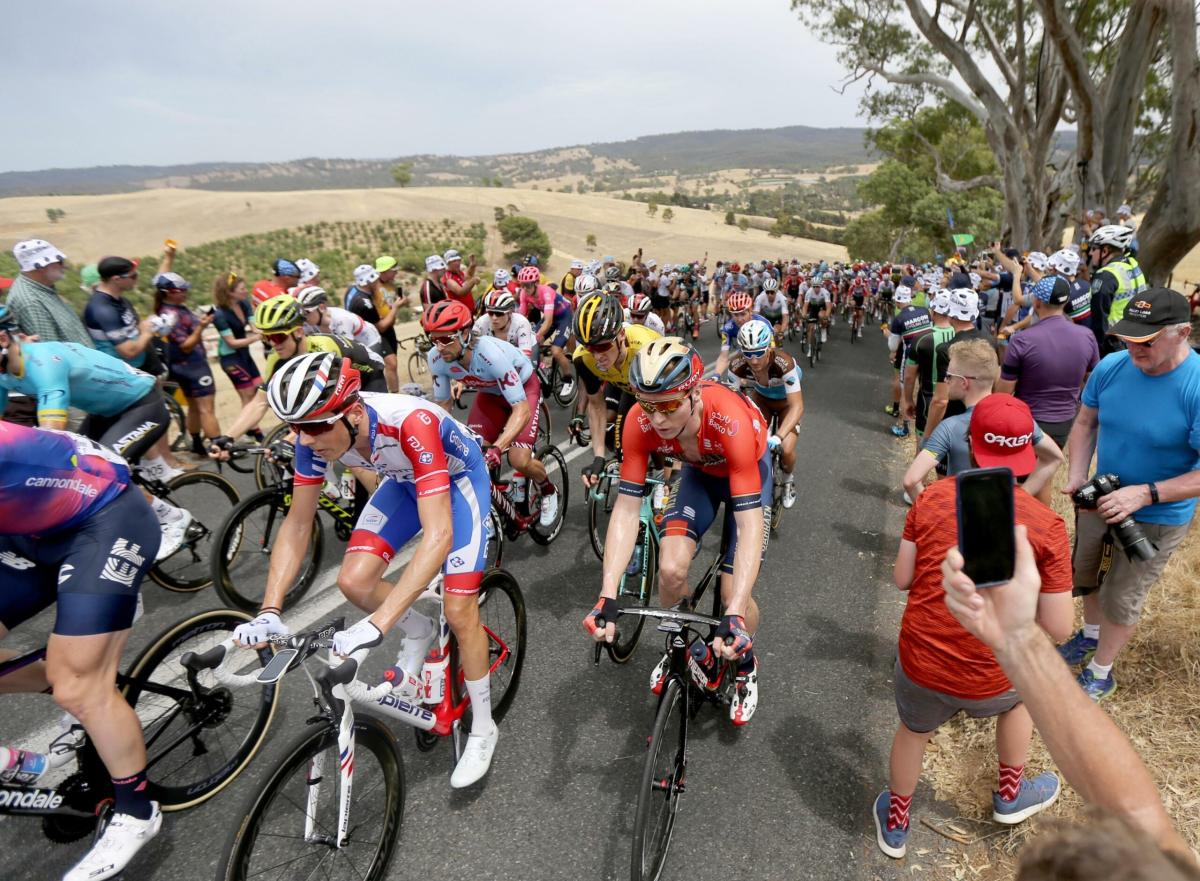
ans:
(770, 284)
(639, 304)
(317, 387)
(1119, 237)
(499, 300)
(501, 278)
(309, 296)
(755, 336)
(593, 267)
(586, 284)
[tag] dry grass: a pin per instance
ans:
(1157, 706)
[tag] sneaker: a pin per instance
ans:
(659, 675)
(1035, 795)
(892, 410)
(568, 387)
(1078, 649)
(121, 841)
(549, 513)
(860, 333)
(893, 842)
(475, 760)
(789, 493)
(900, 430)
(1096, 689)
(745, 696)
(173, 534)
(824, 336)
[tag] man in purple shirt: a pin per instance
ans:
(1047, 363)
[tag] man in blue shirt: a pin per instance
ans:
(111, 319)
(1141, 416)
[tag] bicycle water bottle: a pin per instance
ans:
(635, 560)
(433, 676)
(516, 489)
(407, 686)
(22, 766)
(701, 664)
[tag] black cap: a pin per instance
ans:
(961, 280)
(1149, 312)
(111, 267)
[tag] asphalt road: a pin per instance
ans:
(789, 796)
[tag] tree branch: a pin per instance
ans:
(1018, 102)
(999, 56)
(947, 184)
(945, 85)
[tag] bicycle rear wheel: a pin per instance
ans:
(272, 835)
(556, 472)
(177, 433)
(242, 552)
(635, 592)
(662, 784)
(544, 425)
(197, 742)
(208, 497)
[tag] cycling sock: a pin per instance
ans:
(547, 487)
(898, 806)
(197, 442)
(480, 692)
(133, 796)
(165, 512)
(415, 625)
(1091, 631)
(1100, 671)
(1010, 781)
(746, 662)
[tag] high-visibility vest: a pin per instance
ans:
(1130, 281)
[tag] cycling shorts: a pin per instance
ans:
(195, 379)
(858, 300)
(660, 302)
(694, 507)
(93, 570)
(772, 408)
(241, 369)
(812, 311)
(489, 413)
(561, 329)
(132, 432)
(898, 358)
(390, 520)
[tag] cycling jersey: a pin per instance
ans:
(497, 368)
(347, 324)
(651, 321)
(62, 375)
(774, 309)
(636, 336)
(230, 322)
(910, 323)
(54, 480)
(735, 282)
(545, 300)
(111, 321)
(520, 332)
(729, 331)
(368, 363)
(815, 301)
(783, 375)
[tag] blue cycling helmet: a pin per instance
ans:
(755, 335)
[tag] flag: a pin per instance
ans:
(949, 217)
(962, 238)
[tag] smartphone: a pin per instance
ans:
(986, 529)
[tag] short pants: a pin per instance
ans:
(132, 432)
(489, 413)
(660, 302)
(390, 520)
(561, 329)
(94, 570)
(241, 369)
(923, 710)
(195, 379)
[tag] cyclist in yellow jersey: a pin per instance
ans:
(607, 347)
(281, 323)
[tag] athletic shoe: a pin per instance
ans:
(892, 410)
(1096, 689)
(789, 493)
(1034, 795)
(860, 333)
(121, 841)
(825, 336)
(659, 675)
(900, 430)
(549, 512)
(893, 842)
(173, 534)
(1078, 649)
(476, 759)
(568, 387)
(745, 696)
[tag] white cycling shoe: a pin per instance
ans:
(173, 534)
(568, 387)
(745, 697)
(659, 674)
(119, 844)
(475, 760)
(789, 493)
(549, 515)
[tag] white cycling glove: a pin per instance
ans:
(363, 635)
(266, 625)
(773, 441)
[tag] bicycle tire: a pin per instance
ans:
(505, 624)
(159, 662)
(266, 472)
(493, 556)
(629, 628)
(649, 856)
(555, 464)
(189, 569)
(812, 352)
(417, 367)
(556, 387)
(289, 780)
(241, 552)
(777, 508)
(178, 440)
(600, 509)
(544, 425)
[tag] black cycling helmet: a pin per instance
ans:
(598, 319)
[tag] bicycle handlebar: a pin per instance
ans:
(214, 659)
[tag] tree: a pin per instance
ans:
(498, 212)
(1124, 70)
(54, 215)
(652, 208)
(524, 236)
(402, 174)
(591, 241)
(730, 219)
(497, 181)
(743, 224)
(668, 215)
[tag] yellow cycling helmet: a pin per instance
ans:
(278, 315)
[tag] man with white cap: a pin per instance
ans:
(460, 285)
(35, 302)
(310, 273)
(907, 326)
(566, 287)
(431, 287)
(1079, 307)
(963, 309)
(368, 299)
(1125, 217)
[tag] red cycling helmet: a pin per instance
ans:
(445, 316)
(739, 301)
(529, 275)
(734, 267)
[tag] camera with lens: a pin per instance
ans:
(1128, 532)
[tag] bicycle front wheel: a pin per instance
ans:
(208, 497)
(601, 499)
(662, 783)
(266, 472)
(635, 592)
(502, 614)
(304, 790)
(555, 464)
(197, 741)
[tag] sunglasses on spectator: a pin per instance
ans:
(960, 376)
(600, 348)
(129, 275)
(276, 338)
(665, 407)
(312, 429)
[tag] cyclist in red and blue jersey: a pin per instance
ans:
(434, 481)
(740, 311)
(722, 439)
(505, 412)
(73, 532)
(551, 313)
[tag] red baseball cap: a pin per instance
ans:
(1002, 434)
(5, 283)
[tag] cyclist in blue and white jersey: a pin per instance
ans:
(738, 304)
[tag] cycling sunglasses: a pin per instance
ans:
(312, 429)
(754, 353)
(499, 313)
(740, 314)
(665, 407)
(276, 338)
(443, 339)
(600, 348)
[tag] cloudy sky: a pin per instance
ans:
(162, 82)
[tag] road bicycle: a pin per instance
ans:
(551, 379)
(418, 359)
(333, 806)
(199, 734)
(856, 324)
(516, 502)
(812, 344)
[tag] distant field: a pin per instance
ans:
(137, 223)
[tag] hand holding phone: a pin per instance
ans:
(986, 534)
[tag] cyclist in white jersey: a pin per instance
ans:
(640, 311)
(500, 320)
(320, 317)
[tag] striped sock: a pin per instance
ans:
(898, 811)
(1010, 780)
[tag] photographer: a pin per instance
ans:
(1141, 416)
